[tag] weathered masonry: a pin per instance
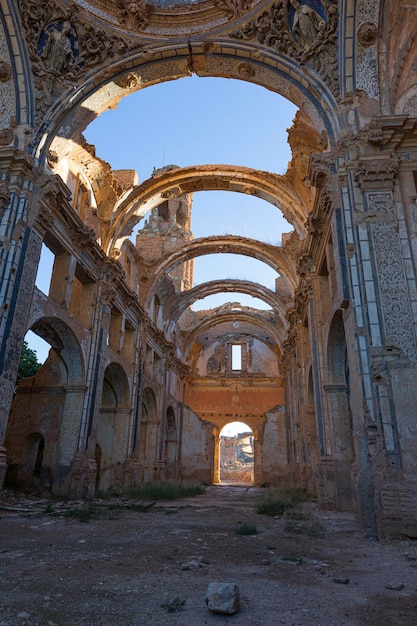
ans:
(138, 385)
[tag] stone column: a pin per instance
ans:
(20, 248)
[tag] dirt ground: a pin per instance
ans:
(125, 567)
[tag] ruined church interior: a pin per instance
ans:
(139, 382)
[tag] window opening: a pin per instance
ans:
(236, 357)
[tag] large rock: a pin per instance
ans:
(223, 598)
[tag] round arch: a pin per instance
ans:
(252, 319)
(122, 73)
(115, 377)
(185, 299)
(273, 188)
(274, 256)
(60, 337)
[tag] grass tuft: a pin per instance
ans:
(276, 502)
(168, 490)
(81, 514)
(243, 528)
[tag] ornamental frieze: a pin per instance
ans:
(305, 31)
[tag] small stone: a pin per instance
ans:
(341, 581)
(223, 598)
(395, 586)
(204, 560)
(23, 615)
(266, 562)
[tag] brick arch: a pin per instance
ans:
(272, 188)
(185, 299)
(255, 322)
(274, 256)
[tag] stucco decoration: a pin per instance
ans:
(233, 8)
(63, 47)
(134, 14)
(300, 31)
(391, 276)
(7, 93)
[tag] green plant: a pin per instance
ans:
(82, 514)
(297, 560)
(243, 528)
(29, 364)
(276, 502)
(167, 490)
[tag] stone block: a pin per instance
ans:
(223, 598)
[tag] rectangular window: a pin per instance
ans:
(236, 356)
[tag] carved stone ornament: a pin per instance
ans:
(5, 71)
(373, 133)
(233, 8)
(129, 81)
(63, 47)
(134, 14)
(294, 28)
(52, 158)
(319, 169)
(376, 173)
(4, 199)
(367, 34)
(314, 225)
(84, 237)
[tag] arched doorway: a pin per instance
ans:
(236, 454)
(110, 451)
(43, 426)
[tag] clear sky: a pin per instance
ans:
(196, 121)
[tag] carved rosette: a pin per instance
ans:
(295, 29)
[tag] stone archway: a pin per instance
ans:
(50, 403)
(113, 427)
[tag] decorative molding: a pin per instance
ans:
(376, 173)
(233, 8)
(134, 14)
(63, 47)
(392, 282)
(295, 29)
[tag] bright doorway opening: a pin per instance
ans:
(236, 454)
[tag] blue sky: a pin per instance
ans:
(196, 121)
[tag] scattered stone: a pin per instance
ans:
(193, 564)
(223, 598)
(204, 560)
(341, 581)
(266, 562)
(395, 586)
(174, 606)
(23, 615)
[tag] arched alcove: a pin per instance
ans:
(113, 427)
(337, 392)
